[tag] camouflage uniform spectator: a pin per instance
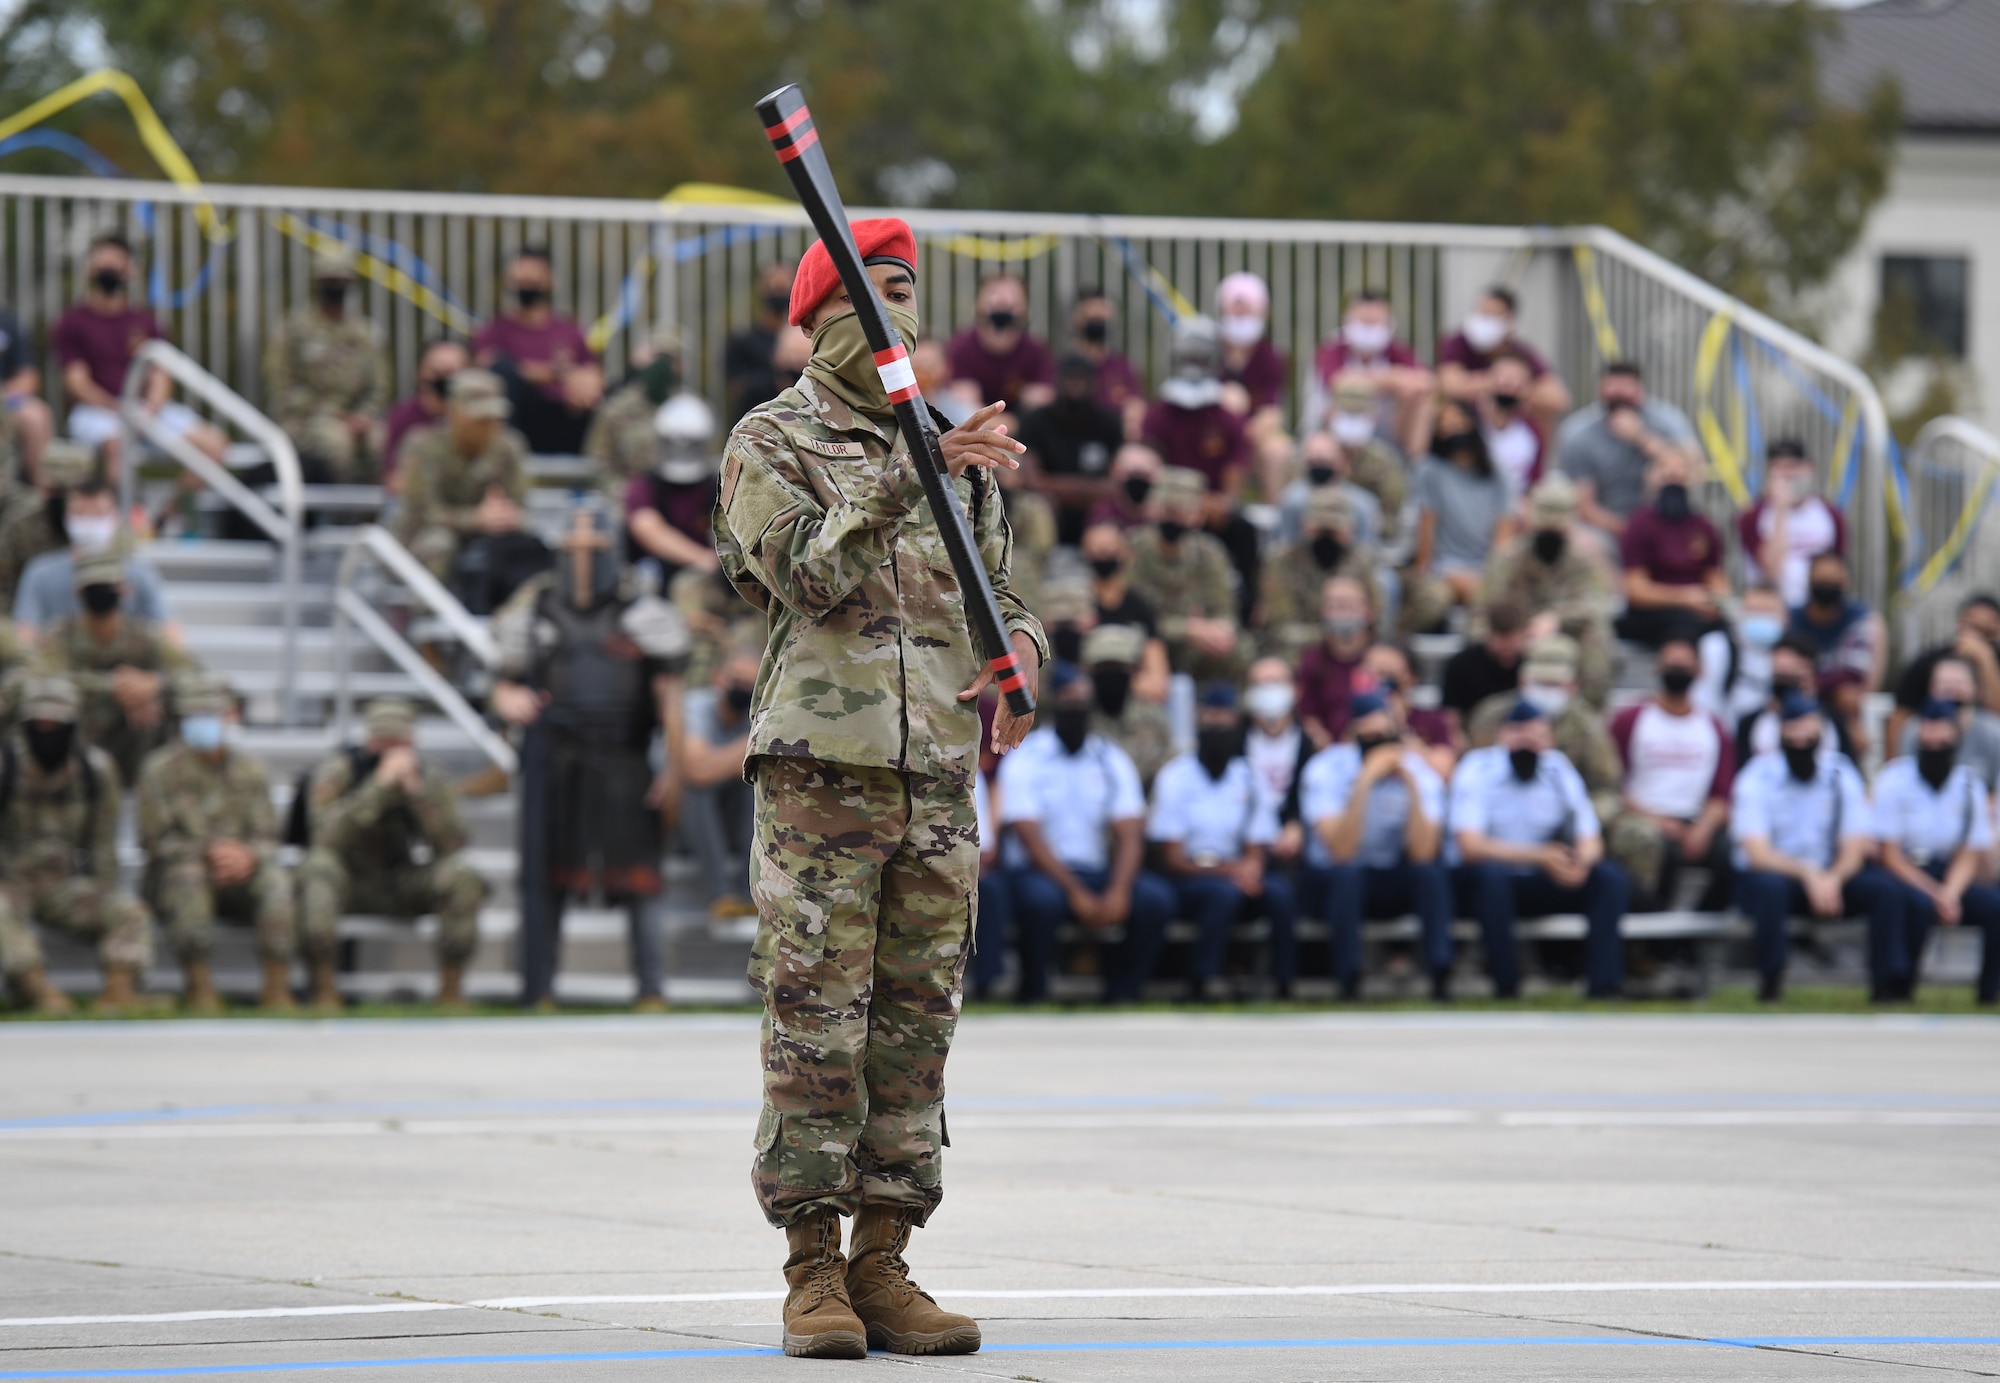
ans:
(1186, 572)
(1137, 725)
(1295, 577)
(33, 521)
(1553, 572)
(326, 379)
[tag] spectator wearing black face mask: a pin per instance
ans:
(1108, 554)
(1849, 636)
(1090, 333)
(998, 355)
(1679, 764)
(1976, 641)
(425, 408)
(1295, 576)
(1673, 561)
(716, 802)
(1113, 654)
(1551, 571)
(1135, 469)
(1073, 801)
(1464, 515)
(748, 375)
(1792, 673)
(553, 377)
(1070, 446)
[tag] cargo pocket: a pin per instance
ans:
(768, 1125)
(788, 962)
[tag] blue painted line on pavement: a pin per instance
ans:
(1095, 1347)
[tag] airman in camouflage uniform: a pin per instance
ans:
(1295, 574)
(59, 853)
(122, 666)
(386, 836)
(861, 754)
(1033, 520)
(326, 378)
(1140, 727)
(621, 438)
(32, 522)
(447, 471)
(211, 842)
(718, 621)
(1550, 570)
(1374, 465)
(1187, 575)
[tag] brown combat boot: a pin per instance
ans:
(325, 989)
(451, 988)
(819, 1324)
(901, 1316)
(200, 996)
(277, 994)
(35, 990)
(120, 994)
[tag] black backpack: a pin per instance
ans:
(298, 820)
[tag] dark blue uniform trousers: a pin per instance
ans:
(1497, 895)
(1979, 908)
(1769, 900)
(1215, 905)
(1347, 894)
(1040, 909)
(995, 925)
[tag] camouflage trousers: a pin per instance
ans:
(1635, 842)
(450, 888)
(188, 905)
(325, 437)
(866, 881)
(80, 905)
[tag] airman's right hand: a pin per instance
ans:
(973, 443)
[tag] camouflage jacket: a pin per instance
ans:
(26, 533)
(1194, 582)
(822, 522)
(55, 826)
(187, 802)
(1033, 520)
(312, 365)
(1577, 588)
(66, 648)
(1142, 731)
(1377, 469)
(717, 619)
(1579, 732)
(443, 489)
(621, 436)
(1292, 587)
(380, 829)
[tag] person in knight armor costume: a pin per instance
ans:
(591, 667)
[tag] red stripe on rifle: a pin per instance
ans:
(789, 123)
(890, 356)
(798, 145)
(905, 395)
(1012, 684)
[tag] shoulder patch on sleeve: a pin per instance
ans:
(732, 471)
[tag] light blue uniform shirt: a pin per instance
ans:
(1553, 805)
(1799, 819)
(1327, 784)
(1074, 798)
(1213, 819)
(1931, 825)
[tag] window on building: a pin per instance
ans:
(1923, 305)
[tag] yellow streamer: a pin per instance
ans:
(1843, 446)
(720, 194)
(1722, 454)
(383, 272)
(1961, 531)
(1593, 301)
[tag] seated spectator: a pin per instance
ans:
(1134, 471)
(715, 812)
(1551, 571)
(20, 398)
(1936, 827)
(623, 439)
(1792, 673)
(1253, 370)
(1068, 612)
(326, 379)
(1108, 553)
(425, 408)
(1324, 468)
(1368, 350)
(1679, 763)
(956, 400)
(47, 590)
(122, 665)
(1190, 428)
(667, 504)
(551, 376)
(1514, 438)
(1374, 810)
(1487, 666)
(1070, 445)
(1736, 662)
(1074, 802)
(1426, 729)
(1295, 577)
(33, 521)
(1462, 519)
(1327, 668)
(1803, 834)
(1001, 359)
(1846, 633)
(1576, 729)
(1186, 572)
(1672, 557)
(1532, 846)
(1276, 749)
(1136, 724)
(95, 341)
(718, 621)
(749, 376)
(1468, 361)
(1606, 447)
(1790, 524)
(1091, 324)
(995, 920)
(1352, 452)
(1213, 825)
(1978, 737)
(463, 488)
(1976, 640)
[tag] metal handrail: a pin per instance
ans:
(286, 530)
(1961, 430)
(351, 611)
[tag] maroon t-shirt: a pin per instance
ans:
(1673, 554)
(1263, 375)
(104, 343)
(1456, 350)
(685, 507)
(1326, 687)
(559, 340)
(1001, 376)
(1209, 440)
(1117, 382)
(1334, 356)
(1116, 508)
(405, 417)
(1431, 726)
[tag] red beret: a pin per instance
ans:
(885, 237)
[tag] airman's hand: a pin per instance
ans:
(1008, 729)
(973, 443)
